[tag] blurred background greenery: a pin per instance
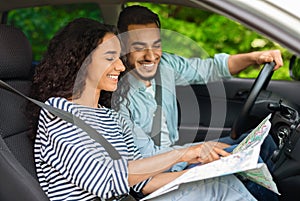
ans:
(213, 33)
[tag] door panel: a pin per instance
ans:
(208, 111)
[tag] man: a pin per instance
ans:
(144, 58)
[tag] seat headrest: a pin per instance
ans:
(15, 53)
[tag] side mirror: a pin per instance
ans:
(294, 67)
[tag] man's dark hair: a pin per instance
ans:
(136, 15)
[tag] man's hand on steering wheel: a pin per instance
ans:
(269, 56)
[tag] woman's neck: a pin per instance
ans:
(89, 97)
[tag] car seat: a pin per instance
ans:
(17, 171)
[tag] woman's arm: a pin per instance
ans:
(160, 180)
(143, 169)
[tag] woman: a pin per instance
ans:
(80, 67)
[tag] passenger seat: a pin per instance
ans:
(17, 171)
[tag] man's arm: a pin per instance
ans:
(239, 62)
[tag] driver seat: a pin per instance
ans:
(17, 170)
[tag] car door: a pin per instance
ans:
(209, 111)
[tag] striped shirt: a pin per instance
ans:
(72, 166)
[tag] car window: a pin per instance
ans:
(203, 32)
(40, 23)
(214, 33)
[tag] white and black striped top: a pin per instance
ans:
(72, 166)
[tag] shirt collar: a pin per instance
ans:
(136, 83)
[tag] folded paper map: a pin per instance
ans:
(243, 161)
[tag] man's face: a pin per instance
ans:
(143, 46)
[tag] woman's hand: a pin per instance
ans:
(205, 152)
(141, 169)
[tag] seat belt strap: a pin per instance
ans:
(113, 153)
(156, 125)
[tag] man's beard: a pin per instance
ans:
(133, 70)
(143, 77)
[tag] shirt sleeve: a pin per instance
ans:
(142, 141)
(80, 160)
(145, 147)
(197, 70)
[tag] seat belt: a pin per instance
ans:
(113, 153)
(156, 124)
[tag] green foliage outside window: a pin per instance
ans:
(212, 32)
(40, 23)
(215, 33)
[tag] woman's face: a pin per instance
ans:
(106, 66)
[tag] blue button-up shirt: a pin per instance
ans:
(175, 70)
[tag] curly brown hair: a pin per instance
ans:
(57, 73)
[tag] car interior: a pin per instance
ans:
(16, 148)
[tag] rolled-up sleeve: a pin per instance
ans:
(197, 70)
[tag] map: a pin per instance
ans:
(243, 161)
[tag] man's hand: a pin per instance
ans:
(269, 56)
(211, 151)
(239, 62)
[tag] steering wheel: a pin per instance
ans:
(260, 83)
